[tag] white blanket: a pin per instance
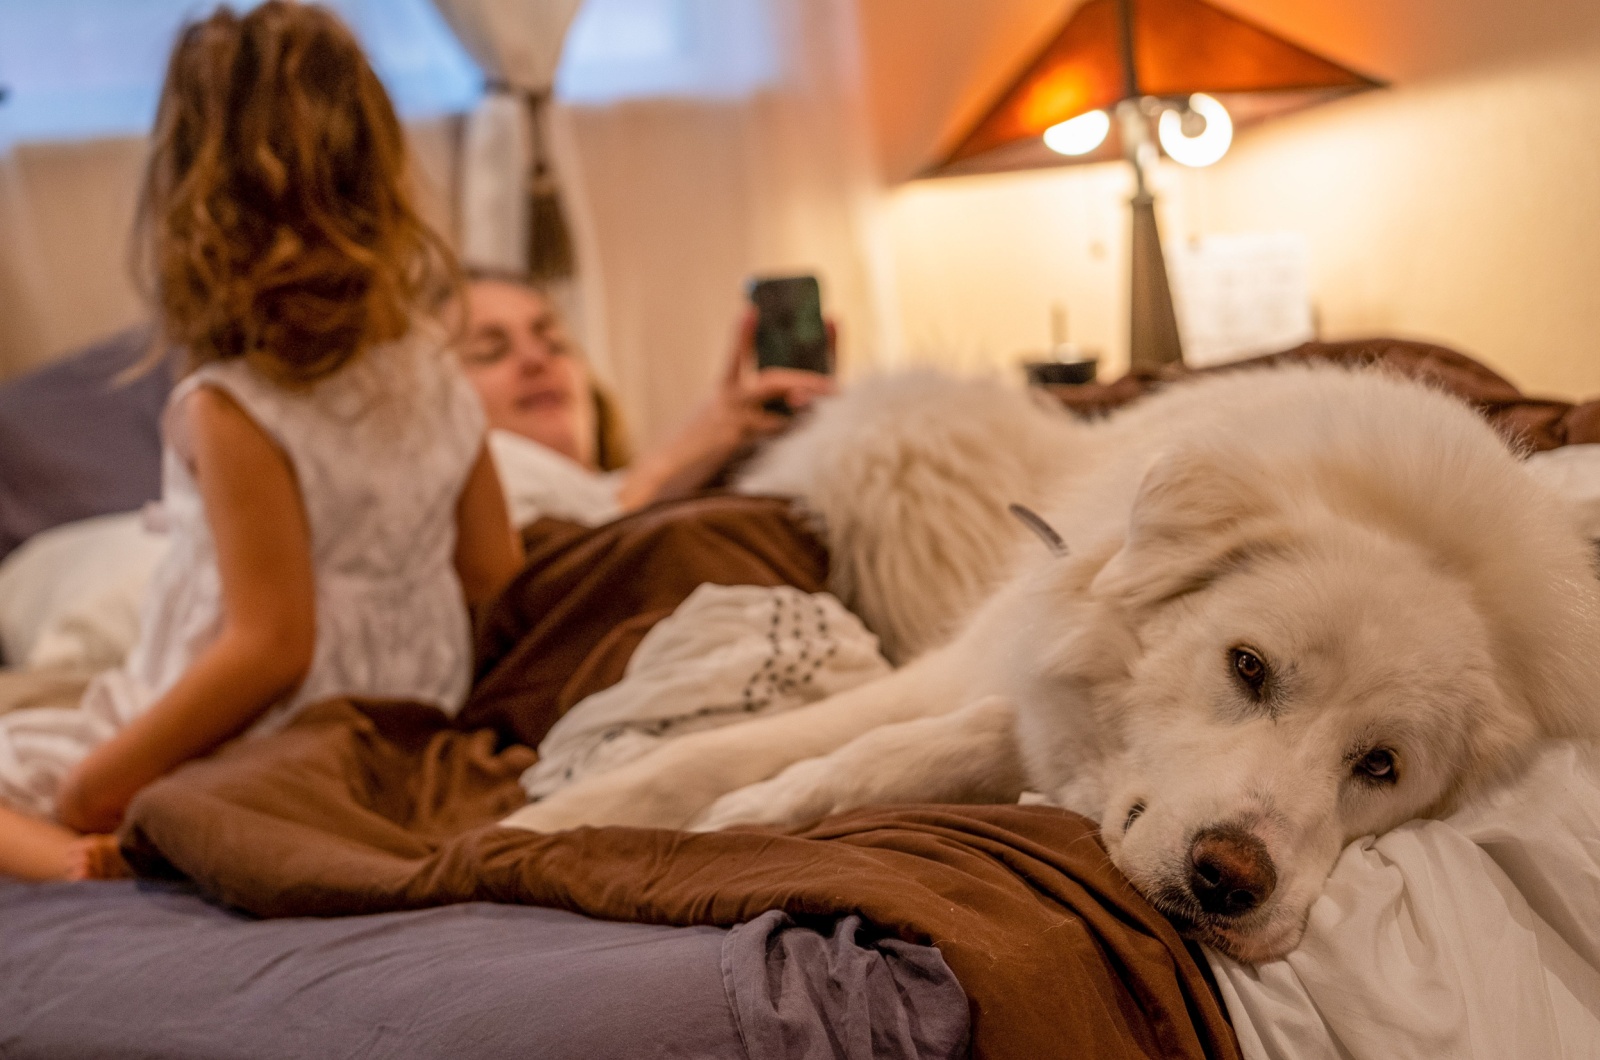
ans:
(727, 653)
(1477, 936)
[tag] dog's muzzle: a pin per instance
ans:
(1230, 871)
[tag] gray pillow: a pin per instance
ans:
(74, 442)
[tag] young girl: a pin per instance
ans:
(331, 507)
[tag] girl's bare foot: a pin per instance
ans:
(31, 849)
(98, 857)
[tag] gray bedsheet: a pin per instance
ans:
(124, 970)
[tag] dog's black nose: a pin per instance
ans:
(1230, 871)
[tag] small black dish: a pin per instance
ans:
(1061, 373)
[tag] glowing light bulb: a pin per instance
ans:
(1080, 135)
(1205, 147)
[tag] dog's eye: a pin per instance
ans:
(1378, 764)
(1249, 668)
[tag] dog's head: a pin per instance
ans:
(1314, 690)
(1284, 658)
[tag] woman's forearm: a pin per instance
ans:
(683, 465)
(227, 689)
(738, 414)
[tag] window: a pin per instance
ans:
(84, 68)
(630, 49)
(75, 69)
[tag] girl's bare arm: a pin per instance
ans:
(488, 551)
(263, 651)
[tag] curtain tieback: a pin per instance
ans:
(550, 253)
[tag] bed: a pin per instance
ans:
(348, 879)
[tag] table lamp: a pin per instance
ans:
(1116, 69)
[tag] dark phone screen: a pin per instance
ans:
(789, 330)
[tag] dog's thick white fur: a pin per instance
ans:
(1300, 605)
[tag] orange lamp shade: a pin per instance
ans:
(1111, 50)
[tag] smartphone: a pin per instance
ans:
(789, 328)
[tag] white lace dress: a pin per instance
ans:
(381, 451)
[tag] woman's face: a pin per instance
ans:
(518, 356)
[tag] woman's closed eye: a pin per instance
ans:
(548, 334)
(485, 349)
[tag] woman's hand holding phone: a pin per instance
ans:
(734, 418)
(790, 329)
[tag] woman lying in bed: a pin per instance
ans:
(558, 439)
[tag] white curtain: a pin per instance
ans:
(677, 202)
(518, 45)
(515, 41)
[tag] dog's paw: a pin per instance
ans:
(552, 814)
(801, 794)
(620, 797)
(664, 789)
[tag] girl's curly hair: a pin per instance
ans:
(276, 221)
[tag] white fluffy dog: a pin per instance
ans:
(1294, 606)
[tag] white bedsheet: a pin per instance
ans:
(1477, 936)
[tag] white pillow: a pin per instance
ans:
(539, 481)
(70, 597)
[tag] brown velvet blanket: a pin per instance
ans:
(373, 807)
(364, 807)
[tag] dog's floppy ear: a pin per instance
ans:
(1498, 740)
(1198, 513)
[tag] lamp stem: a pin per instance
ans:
(1153, 340)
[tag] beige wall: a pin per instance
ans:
(979, 262)
(1461, 205)
(1467, 212)
(65, 211)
